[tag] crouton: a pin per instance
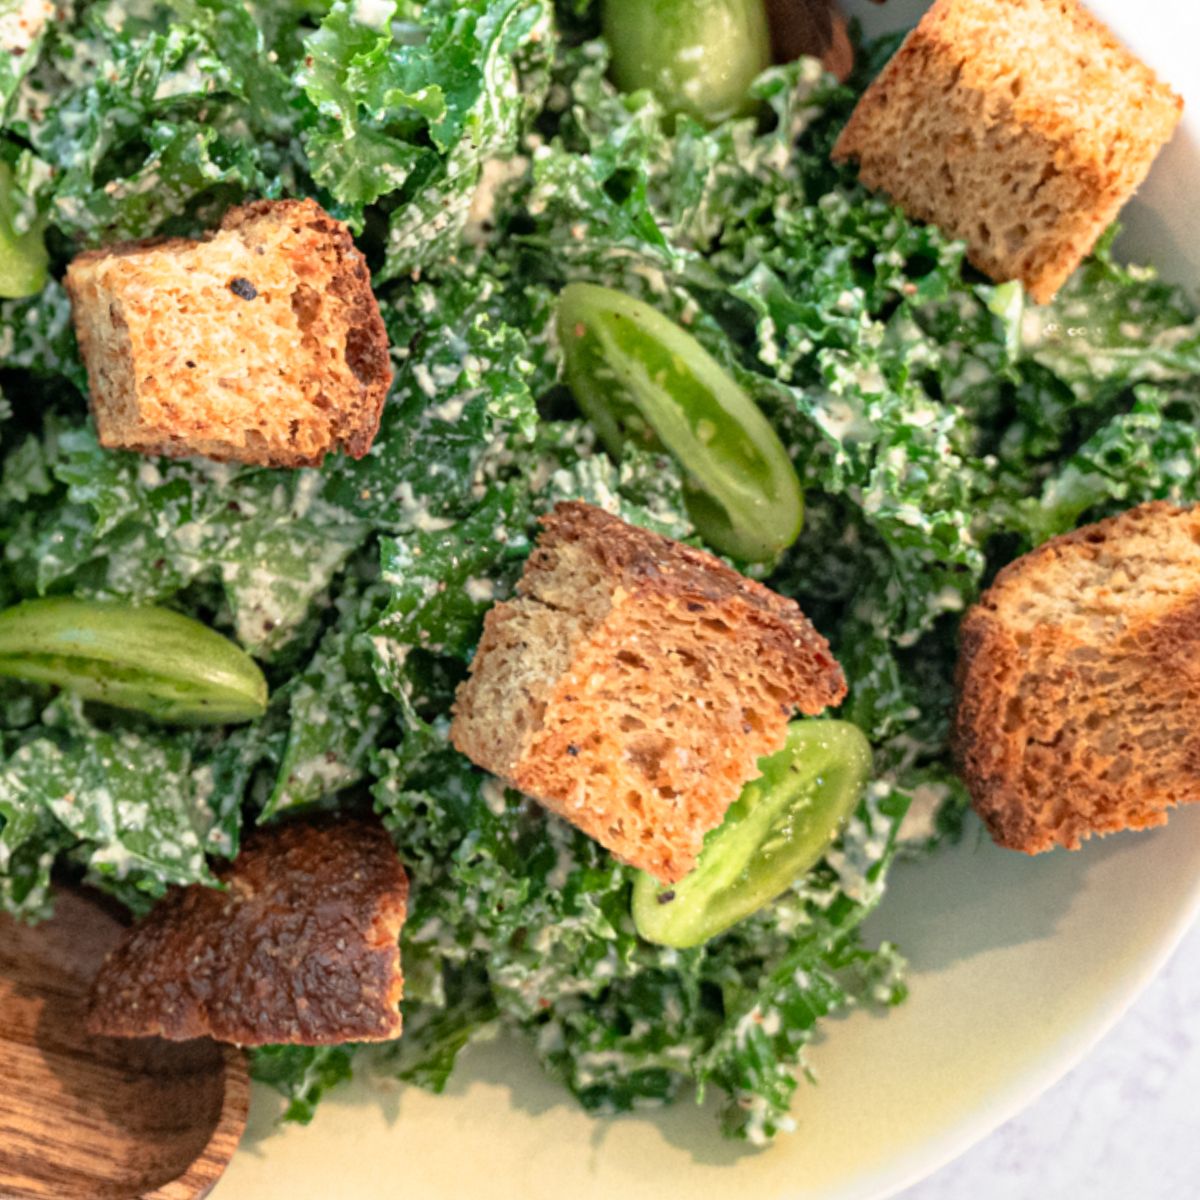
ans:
(816, 28)
(1020, 126)
(302, 946)
(1079, 683)
(261, 344)
(634, 683)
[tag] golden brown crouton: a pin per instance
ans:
(302, 946)
(634, 684)
(261, 344)
(1020, 126)
(1079, 683)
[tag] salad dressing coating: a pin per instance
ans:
(938, 431)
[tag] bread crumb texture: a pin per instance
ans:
(301, 947)
(1019, 126)
(260, 344)
(633, 684)
(1079, 683)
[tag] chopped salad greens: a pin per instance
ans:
(938, 425)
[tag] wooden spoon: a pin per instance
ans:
(87, 1118)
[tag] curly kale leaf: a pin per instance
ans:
(26, 26)
(416, 103)
(36, 337)
(464, 393)
(163, 115)
(302, 1073)
(491, 57)
(442, 582)
(336, 711)
(142, 530)
(30, 841)
(132, 802)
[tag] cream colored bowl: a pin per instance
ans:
(1018, 965)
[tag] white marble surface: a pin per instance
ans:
(1124, 1125)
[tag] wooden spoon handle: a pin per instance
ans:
(205, 1171)
(81, 1116)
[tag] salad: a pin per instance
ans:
(939, 425)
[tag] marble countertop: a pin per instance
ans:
(1124, 1125)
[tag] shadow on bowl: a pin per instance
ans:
(976, 873)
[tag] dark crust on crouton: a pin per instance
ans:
(649, 562)
(1039, 706)
(280, 459)
(301, 947)
(367, 352)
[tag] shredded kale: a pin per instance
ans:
(303, 1074)
(940, 425)
(137, 808)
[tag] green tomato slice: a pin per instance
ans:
(781, 825)
(23, 257)
(149, 660)
(638, 376)
(697, 56)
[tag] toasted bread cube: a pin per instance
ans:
(301, 947)
(634, 683)
(261, 344)
(1020, 126)
(1079, 683)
